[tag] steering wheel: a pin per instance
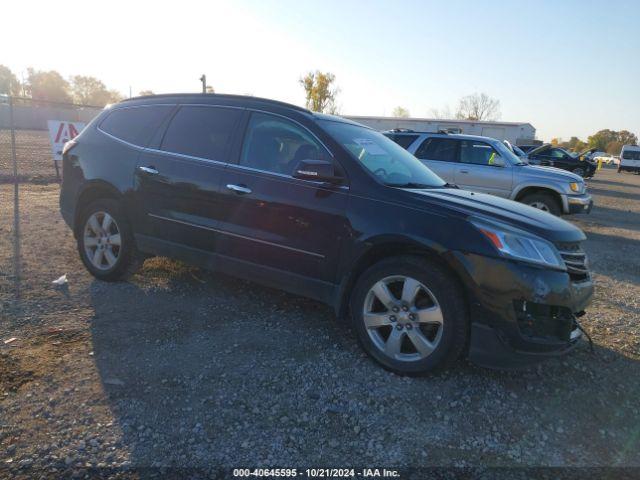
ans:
(381, 172)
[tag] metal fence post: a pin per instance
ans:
(13, 141)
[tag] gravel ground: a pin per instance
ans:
(183, 368)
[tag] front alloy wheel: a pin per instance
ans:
(410, 314)
(403, 318)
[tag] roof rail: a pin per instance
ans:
(402, 130)
(220, 95)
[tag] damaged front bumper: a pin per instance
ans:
(522, 314)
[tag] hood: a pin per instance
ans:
(551, 173)
(490, 207)
(539, 149)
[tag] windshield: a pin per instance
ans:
(390, 163)
(507, 154)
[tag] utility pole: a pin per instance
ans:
(203, 79)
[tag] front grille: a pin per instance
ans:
(575, 258)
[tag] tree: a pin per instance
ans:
(400, 112)
(49, 86)
(9, 84)
(478, 106)
(145, 93)
(606, 140)
(555, 141)
(91, 91)
(442, 113)
(320, 91)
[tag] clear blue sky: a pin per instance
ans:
(569, 67)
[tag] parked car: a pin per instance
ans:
(578, 163)
(483, 164)
(629, 159)
(329, 209)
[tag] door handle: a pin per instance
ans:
(149, 170)
(239, 189)
(464, 171)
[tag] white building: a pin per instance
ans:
(518, 133)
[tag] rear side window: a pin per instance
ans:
(203, 132)
(477, 153)
(441, 149)
(135, 124)
(403, 140)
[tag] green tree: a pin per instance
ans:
(478, 106)
(606, 140)
(400, 112)
(91, 91)
(613, 148)
(320, 91)
(9, 84)
(49, 86)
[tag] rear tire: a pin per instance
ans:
(410, 337)
(105, 241)
(543, 201)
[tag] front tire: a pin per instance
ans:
(105, 241)
(580, 171)
(543, 201)
(410, 315)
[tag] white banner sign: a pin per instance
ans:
(61, 132)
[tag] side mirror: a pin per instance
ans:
(317, 170)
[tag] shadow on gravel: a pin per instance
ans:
(611, 182)
(604, 260)
(613, 217)
(612, 193)
(230, 373)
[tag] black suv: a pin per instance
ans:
(550, 156)
(329, 209)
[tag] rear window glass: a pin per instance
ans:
(441, 149)
(203, 132)
(135, 125)
(403, 140)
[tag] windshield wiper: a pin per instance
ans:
(409, 185)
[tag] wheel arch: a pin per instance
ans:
(91, 191)
(526, 190)
(381, 250)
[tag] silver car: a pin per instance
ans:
(486, 165)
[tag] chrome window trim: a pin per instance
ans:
(308, 183)
(224, 232)
(185, 156)
(128, 107)
(137, 147)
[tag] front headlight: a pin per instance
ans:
(522, 246)
(575, 187)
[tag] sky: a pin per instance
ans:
(568, 67)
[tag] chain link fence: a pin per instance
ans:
(25, 148)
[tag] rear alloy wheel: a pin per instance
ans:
(409, 315)
(102, 240)
(105, 241)
(543, 201)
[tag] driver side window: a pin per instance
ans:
(273, 144)
(477, 153)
